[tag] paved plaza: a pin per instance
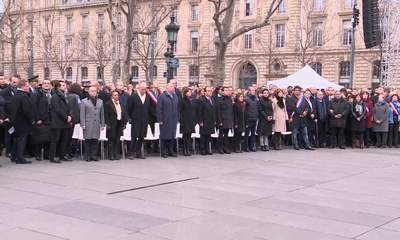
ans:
(278, 195)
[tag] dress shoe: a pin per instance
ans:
(95, 159)
(253, 150)
(55, 161)
(131, 157)
(140, 156)
(209, 153)
(309, 148)
(342, 147)
(65, 159)
(38, 158)
(220, 151)
(164, 155)
(23, 162)
(172, 155)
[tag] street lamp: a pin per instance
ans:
(172, 34)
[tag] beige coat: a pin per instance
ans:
(280, 117)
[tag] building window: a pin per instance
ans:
(317, 66)
(194, 36)
(249, 8)
(69, 24)
(119, 19)
(135, 73)
(376, 74)
(317, 34)
(318, 5)
(349, 3)
(100, 73)
(155, 71)
(195, 12)
(194, 73)
(85, 23)
(347, 36)
(344, 74)
(46, 72)
(84, 47)
(248, 40)
(100, 26)
(282, 7)
(135, 43)
(84, 73)
(280, 35)
(68, 76)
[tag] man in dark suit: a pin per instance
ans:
(41, 104)
(116, 118)
(8, 93)
(139, 110)
(22, 119)
(224, 119)
(206, 119)
(60, 121)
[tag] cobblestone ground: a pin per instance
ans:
(285, 195)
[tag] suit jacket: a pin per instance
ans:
(139, 114)
(92, 118)
(22, 116)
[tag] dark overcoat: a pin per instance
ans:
(187, 116)
(238, 116)
(206, 116)
(139, 115)
(339, 106)
(355, 124)
(168, 115)
(265, 110)
(225, 113)
(74, 107)
(59, 111)
(22, 116)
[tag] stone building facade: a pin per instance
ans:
(314, 32)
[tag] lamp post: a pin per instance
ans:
(172, 34)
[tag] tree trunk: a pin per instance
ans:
(219, 66)
(14, 58)
(128, 40)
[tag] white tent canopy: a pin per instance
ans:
(305, 78)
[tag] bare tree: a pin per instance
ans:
(12, 22)
(267, 46)
(99, 51)
(54, 49)
(309, 34)
(223, 19)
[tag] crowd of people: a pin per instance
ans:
(37, 118)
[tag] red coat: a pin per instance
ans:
(368, 116)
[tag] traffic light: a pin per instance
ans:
(356, 16)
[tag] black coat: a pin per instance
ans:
(355, 124)
(295, 113)
(22, 116)
(238, 116)
(251, 112)
(139, 114)
(206, 116)
(265, 111)
(111, 120)
(225, 113)
(59, 111)
(338, 107)
(74, 107)
(41, 106)
(187, 116)
(7, 94)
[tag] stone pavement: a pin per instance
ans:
(285, 195)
